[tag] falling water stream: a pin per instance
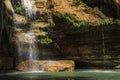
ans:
(103, 37)
(29, 6)
(26, 40)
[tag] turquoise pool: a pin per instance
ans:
(75, 75)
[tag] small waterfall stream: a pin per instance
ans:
(26, 40)
(27, 47)
(29, 6)
(103, 38)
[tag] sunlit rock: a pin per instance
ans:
(46, 65)
(41, 3)
(37, 25)
(26, 37)
(19, 19)
(56, 66)
(9, 7)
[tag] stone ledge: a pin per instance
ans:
(45, 65)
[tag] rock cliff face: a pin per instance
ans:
(7, 43)
(58, 38)
(88, 46)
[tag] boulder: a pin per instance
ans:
(117, 67)
(57, 66)
(46, 65)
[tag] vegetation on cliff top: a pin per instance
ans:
(71, 20)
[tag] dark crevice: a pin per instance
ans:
(108, 7)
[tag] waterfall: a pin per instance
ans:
(26, 39)
(29, 6)
(103, 36)
(27, 48)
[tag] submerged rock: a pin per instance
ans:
(46, 65)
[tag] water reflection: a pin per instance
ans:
(58, 78)
(75, 75)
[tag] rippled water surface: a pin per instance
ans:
(75, 75)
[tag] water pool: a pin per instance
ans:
(75, 75)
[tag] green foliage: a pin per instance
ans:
(67, 18)
(45, 41)
(18, 8)
(64, 17)
(71, 20)
(107, 22)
